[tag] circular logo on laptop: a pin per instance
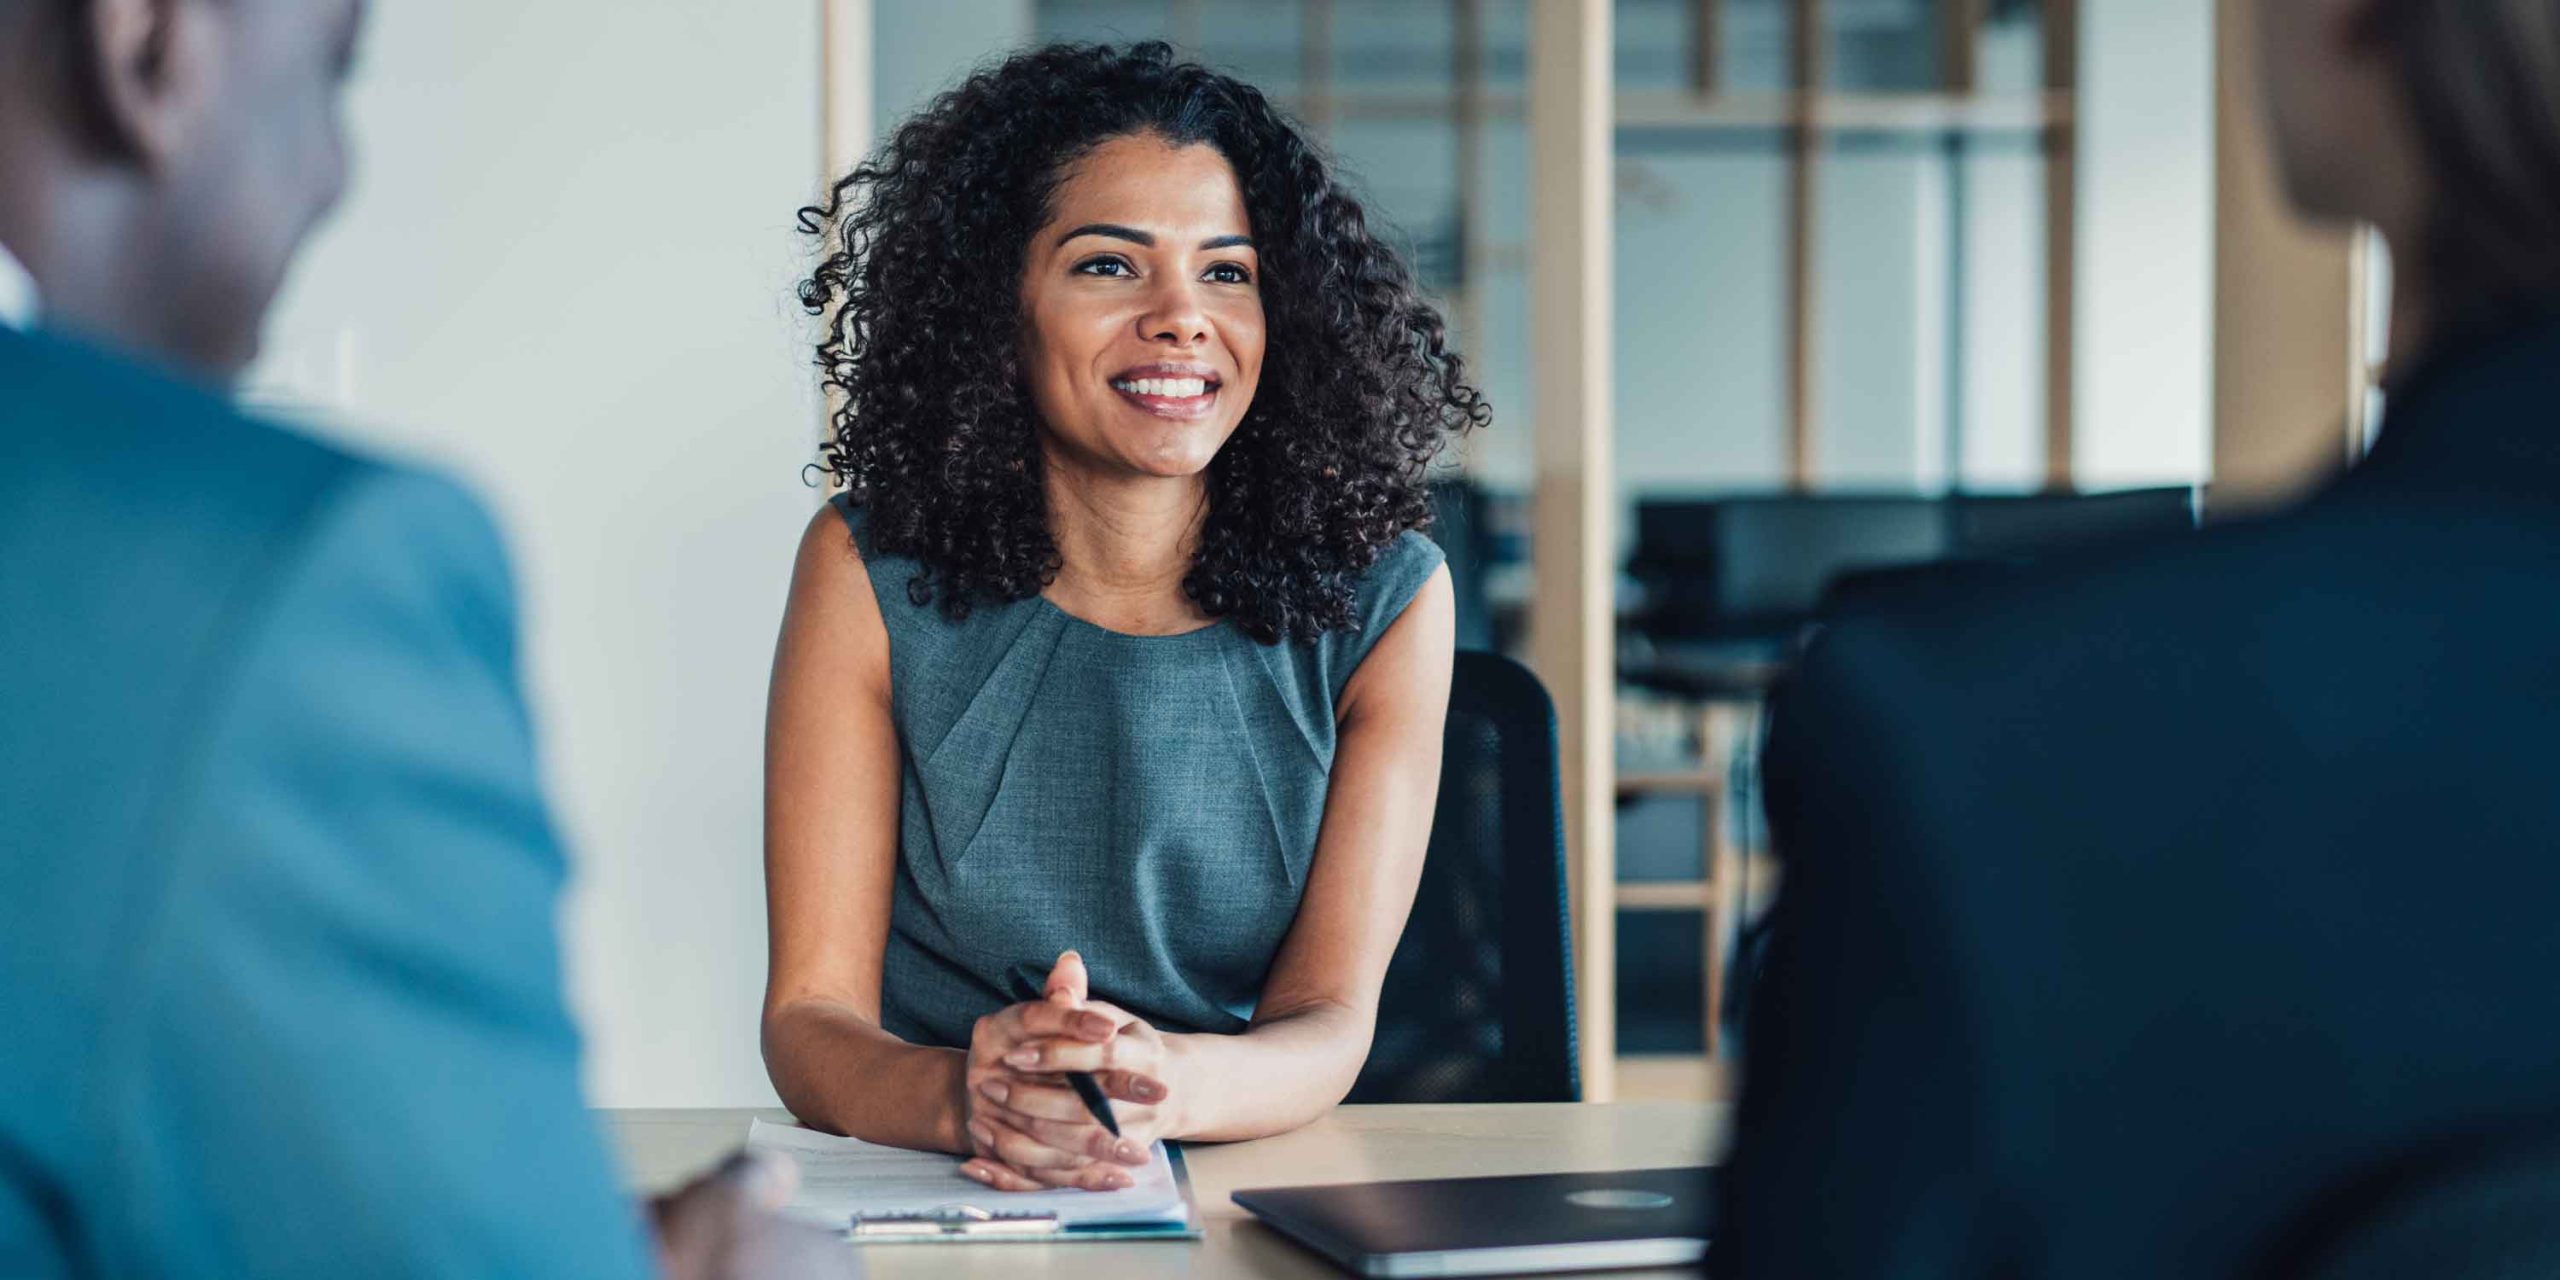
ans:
(1612, 1199)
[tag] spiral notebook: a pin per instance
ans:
(872, 1191)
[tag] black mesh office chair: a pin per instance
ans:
(1478, 1003)
(1458, 524)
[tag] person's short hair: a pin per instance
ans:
(2483, 80)
(935, 433)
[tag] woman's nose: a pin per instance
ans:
(1174, 314)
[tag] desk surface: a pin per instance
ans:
(1353, 1144)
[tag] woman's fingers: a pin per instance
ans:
(1023, 1151)
(1038, 1020)
(1080, 1135)
(1058, 1117)
(1052, 1021)
(1004, 1142)
(1033, 1098)
(1002, 1177)
(1067, 981)
(1088, 1177)
(1054, 1053)
(1131, 1086)
(1118, 1015)
(1037, 1096)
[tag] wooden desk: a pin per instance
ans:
(1354, 1144)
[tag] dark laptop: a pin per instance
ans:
(1499, 1226)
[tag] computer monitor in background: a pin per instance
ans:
(1752, 567)
(1760, 566)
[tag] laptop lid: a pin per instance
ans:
(1499, 1226)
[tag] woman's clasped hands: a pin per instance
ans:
(1028, 1129)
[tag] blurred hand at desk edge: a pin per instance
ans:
(727, 1225)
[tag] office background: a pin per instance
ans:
(565, 271)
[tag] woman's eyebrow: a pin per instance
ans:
(1113, 230)
(1131, 234)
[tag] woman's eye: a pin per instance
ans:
(1230, 273)
(1102, 267)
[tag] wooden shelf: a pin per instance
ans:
(1869, 112)
(1682, 780)
(1670, 1077)
(1880, 112)
(1665, 895)
(1759, 872)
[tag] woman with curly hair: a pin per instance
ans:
(1105, 723)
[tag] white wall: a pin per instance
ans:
(2145, 308)
(565, 270)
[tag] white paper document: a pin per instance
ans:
(840, 1177)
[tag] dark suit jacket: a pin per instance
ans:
(279, 993)
(2132, 905)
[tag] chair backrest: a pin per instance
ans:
(1478, 1002)
(2031, 526)
(1458, 525)
(2464, 1211)
(1759, 564)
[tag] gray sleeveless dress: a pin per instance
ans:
(1149, 801)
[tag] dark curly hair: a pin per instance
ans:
(925, 246)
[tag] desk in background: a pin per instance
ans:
(659, 1149)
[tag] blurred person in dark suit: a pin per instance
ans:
(277, 960)
(2137, 908)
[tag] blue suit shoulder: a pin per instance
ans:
(2001, 634)
(150, 525)
(151, 497)
(266, 766)
(106, 437)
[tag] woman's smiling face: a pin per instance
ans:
(1142, 309)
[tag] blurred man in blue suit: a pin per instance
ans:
(277, 965)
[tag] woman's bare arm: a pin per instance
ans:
(830, 852)
(1319, 1006)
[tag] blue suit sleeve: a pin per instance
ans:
(345, 1050)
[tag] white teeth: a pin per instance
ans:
(1169, 388)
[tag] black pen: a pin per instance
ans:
(1095, 1100)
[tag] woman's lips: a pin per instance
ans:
(1178, 407)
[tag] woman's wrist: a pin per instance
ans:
(951, 1127)
(839, 1071)
(1178, 1115)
